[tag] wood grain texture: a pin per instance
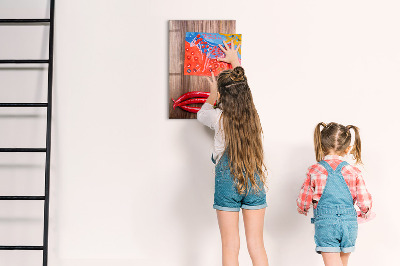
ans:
(178, 82)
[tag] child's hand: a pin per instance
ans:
(213, 83)
(213, 89)
(231, 54)
(301, 211)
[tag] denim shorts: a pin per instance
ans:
(335, 232)
(226, 195)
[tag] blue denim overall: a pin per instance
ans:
(335, 218)
(226, 195)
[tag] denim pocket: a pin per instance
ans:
(326, 231)
(352, 227)
(224, 186)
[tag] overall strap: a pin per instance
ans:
(212, 159)
(223, 160)
(326, 166)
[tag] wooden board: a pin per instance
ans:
(178, 82)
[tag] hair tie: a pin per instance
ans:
(234, 84)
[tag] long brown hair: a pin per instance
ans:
(336, 137)
(242, 129)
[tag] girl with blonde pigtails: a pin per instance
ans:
(333, 186)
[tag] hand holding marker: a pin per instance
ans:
(190, 97)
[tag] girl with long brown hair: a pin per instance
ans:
(240, 172)
(333, 186)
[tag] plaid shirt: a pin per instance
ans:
(314, 185)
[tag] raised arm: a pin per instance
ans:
(207, 115)
(213, 89)
(231, 57)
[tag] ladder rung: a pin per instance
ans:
(24, 61)
(34, 20)
(23, 104)
(22, 197)
(22, 149)
(21, 247)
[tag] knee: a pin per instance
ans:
(255, 245)
(232, 244)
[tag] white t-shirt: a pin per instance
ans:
(210, 117)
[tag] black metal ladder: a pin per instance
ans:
(47, 105)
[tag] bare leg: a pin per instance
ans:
(345, 258)
(254, 227)
(332, 259)
(229, 228)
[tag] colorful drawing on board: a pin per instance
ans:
(202, 51)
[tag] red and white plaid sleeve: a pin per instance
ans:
(305, 197)
(364, 198)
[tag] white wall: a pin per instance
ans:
(131, 187)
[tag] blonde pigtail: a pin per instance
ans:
(319, 153)
(356, 151)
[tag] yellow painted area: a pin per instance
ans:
(237, 39)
